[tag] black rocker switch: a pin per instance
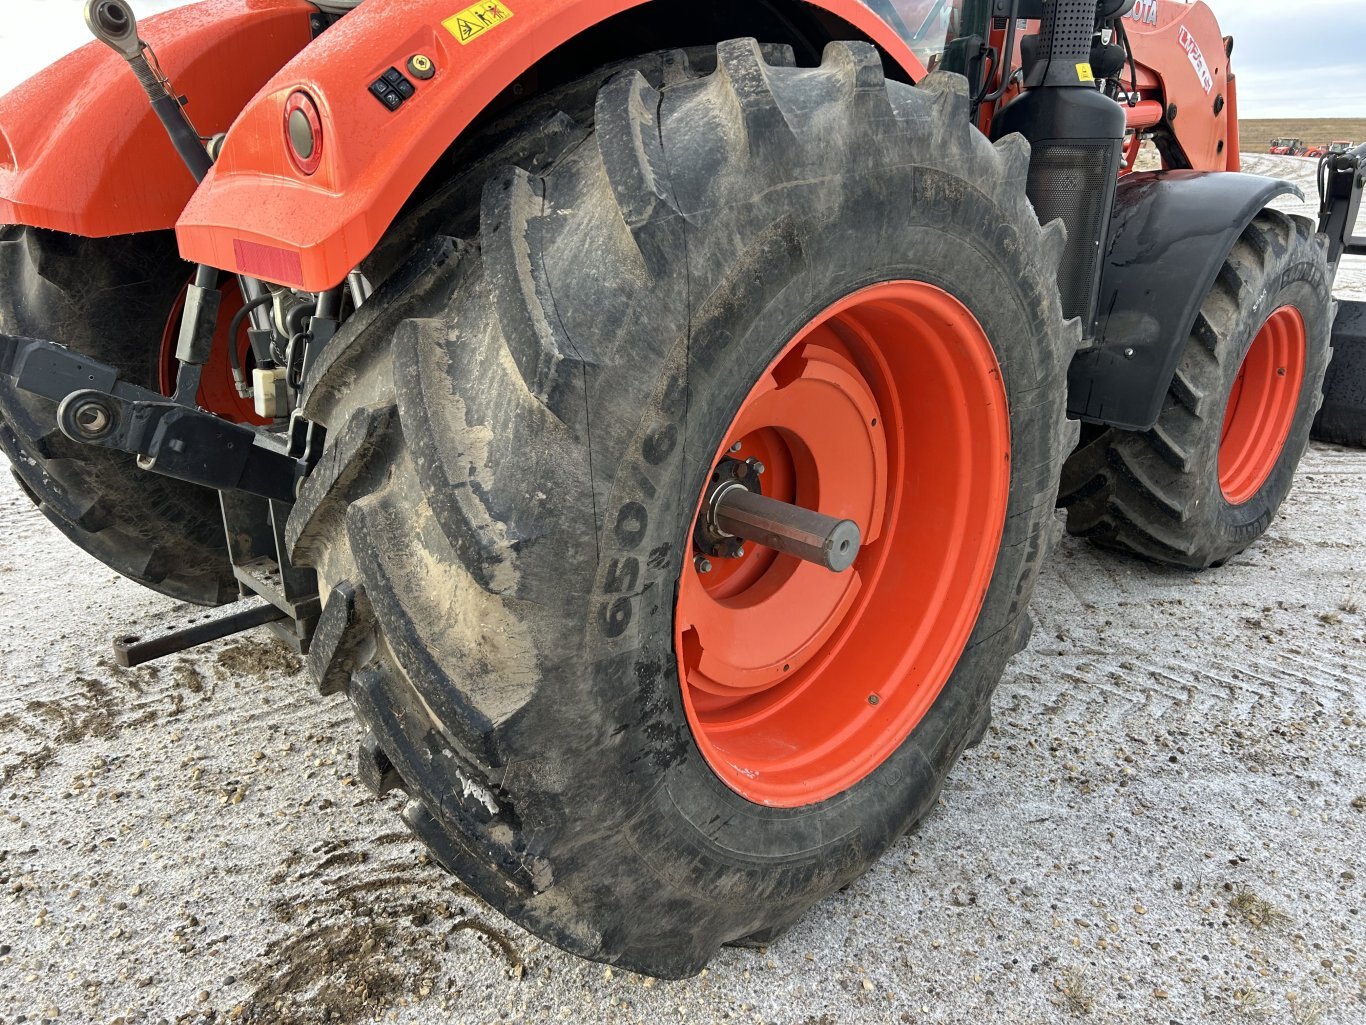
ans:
(391, 89)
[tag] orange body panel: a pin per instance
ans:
(81, 150)
(1182, 63)
(257, 214)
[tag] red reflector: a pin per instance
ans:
(270, 263)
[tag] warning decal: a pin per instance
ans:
(473, 22)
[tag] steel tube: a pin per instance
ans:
(804, 533)
(134, 651)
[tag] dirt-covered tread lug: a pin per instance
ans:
(461, 804)
(859, 65)
(374, 769)
(633, 155)
(471, 688)
(341, 634)
(1014, 154)
(406, 292)
(950, 91)
(327, 489)
(743, 71)
(485, 545)
(551, 366)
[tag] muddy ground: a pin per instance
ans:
(1166, 822)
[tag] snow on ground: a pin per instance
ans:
(1164, 824)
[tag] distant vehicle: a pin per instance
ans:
(1325, 148)
(1288, 147)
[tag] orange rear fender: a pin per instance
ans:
(257, 213)
(80, 148)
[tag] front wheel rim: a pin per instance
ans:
(888, 409)
(1262, 405)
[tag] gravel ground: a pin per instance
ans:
(1165, 823)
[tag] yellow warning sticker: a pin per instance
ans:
(1085, 74)
(473, 22)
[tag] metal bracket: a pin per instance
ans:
(1342, 179)
(95, 407)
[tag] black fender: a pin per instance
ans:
(1170, 234)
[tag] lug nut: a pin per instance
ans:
(755, 465)
(735, 447)
(702, 564)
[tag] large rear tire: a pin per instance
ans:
(109, 299)
(520, 434)
(1208, 479)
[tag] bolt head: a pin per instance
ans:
(740, 552)
(1128, 353)
(735, 447)
(703, 564)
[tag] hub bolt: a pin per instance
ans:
(702, 564)
(735, 447)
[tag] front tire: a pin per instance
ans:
(520, 433)
(1208, 479)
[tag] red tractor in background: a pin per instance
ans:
(1288, 148)
(1324, 149)
(651, 415)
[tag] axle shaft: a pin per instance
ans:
(804, 533)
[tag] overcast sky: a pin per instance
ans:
(1295, 58)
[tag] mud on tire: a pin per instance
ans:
(109, 299)
(520, 425)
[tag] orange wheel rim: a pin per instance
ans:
(887, 409)
(217, 389)
(1262, 406)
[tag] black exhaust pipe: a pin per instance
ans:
(1077, 137)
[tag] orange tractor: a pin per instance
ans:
(656, 433)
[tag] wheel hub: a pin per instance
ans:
(883, 432)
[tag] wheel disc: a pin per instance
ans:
(1262, 406)
(887, 409)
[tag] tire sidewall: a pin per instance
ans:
(1302, 286)
(630, 637)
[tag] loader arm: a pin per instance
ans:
(82, 152)
(1182, 61)
(259, 214)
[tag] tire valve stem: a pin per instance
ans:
(873, 699)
